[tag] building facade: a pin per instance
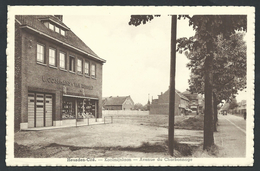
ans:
(194, 103)
(161, 105)
(58, 78)
(118, 103)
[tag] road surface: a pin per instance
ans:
(231, 136)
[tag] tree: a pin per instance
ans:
(233, 103)
(138, 106)
(146, 107)
(229, 70)
(208, 28)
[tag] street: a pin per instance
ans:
(231, 136)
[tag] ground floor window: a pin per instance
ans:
(78, 108)
(86, 108)
(68, 111)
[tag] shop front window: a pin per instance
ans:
(68, 111)
(85, 108)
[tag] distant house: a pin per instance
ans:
(118, 103)
(194, 102)
(240, 109)
(161, 105)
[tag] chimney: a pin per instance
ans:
(60, 17)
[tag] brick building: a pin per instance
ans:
(58, 78)
(118, 103)
(161, 105)
(194, 103)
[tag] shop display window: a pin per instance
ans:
(68, 110)
(86, 108)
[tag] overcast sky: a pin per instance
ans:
(138, 58)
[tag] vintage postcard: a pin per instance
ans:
(130, 86)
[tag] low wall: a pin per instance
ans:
(123, 112)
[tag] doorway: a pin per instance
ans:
(40, 109)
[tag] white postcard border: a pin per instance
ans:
(106, 10)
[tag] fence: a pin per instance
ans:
(124, 113)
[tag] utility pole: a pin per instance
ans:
(172, 85)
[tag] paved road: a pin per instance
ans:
(231, 136)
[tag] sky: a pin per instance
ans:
(137, 58)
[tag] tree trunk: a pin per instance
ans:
(172, 85)
(208, 116)
(215, 105)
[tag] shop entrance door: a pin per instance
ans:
(39, 110)
(48, 110)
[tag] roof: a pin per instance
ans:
(190, 96)
(186, 92)
(181, 95)
(178, 93)
(34, 22)
(119, 100)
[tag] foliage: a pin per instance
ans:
(229, 67)
(138, 106)
(233, 103)
(136, 20)
(203, 48)
(203, 54)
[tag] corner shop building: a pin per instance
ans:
(58, 78)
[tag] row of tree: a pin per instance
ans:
(217, 55)
(139, 106)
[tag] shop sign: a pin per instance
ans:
(65, 83)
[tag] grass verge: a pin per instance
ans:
(191, 123)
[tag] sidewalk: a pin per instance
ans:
(231, 136)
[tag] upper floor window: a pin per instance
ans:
(62, 60)
(72, 64)
(51, 26)
(57, 29)
(93, 71)
(79, 66)
(86, 68)
(46, 24)
(52, 57)
(62, 32)
(40, 54)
